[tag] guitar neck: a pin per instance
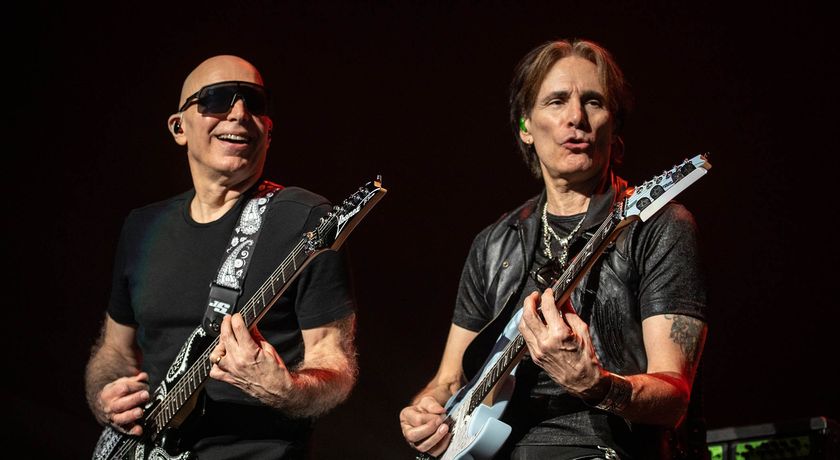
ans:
(583, 261)
(283, 275)
(515, 349)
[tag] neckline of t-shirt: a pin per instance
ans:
(565, 222)
(233, 211)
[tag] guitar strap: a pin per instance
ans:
(227, 287)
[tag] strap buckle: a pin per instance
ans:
(221, 302)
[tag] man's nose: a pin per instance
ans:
(238, 109)
(574, 113)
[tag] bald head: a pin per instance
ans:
(217, 69)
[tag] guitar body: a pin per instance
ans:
(485, 345)
(113, 445)
(479, 434)
(487, 433)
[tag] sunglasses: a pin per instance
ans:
(219, 98)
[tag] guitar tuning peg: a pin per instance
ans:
(657, 191)
(687, 168)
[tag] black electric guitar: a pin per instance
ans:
(173, 400)
(473, 412)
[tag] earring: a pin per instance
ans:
(522, 125)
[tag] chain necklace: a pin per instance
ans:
(548, 232)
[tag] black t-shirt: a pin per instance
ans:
(166, 261)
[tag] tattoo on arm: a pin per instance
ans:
(685, 332)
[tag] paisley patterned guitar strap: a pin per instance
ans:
(227, 287)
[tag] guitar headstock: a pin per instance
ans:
(646, 199)
(336, 226)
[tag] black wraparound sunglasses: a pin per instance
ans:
(219, 98)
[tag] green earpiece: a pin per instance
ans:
(522, 125)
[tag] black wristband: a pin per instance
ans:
(618, 396)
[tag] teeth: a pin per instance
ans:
(233, 137)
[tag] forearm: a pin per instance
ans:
(449, 377)
(657, 398)
(313, 389)
(440, 390)
(105, 366)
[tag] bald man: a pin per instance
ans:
(268, 384)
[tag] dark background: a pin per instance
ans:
(416, 91)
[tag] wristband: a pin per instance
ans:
(618, 395)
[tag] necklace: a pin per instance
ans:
(548, 232)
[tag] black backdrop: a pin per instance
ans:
(416, 91)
